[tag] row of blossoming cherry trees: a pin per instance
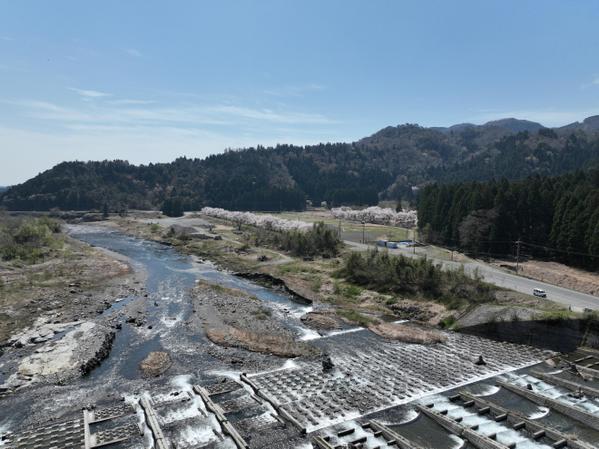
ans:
(374, 214)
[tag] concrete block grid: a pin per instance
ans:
(247, 418)
(486, 427)
(217, 415)
(67, 435)
(384, 375)
(99, 427)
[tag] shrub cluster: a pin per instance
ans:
(318, 241)
(28, 239)
(386, 273)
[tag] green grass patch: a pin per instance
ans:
(448, 322)
(558, 315)
(355, 317)
(154, 228)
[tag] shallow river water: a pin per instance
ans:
(170, 277)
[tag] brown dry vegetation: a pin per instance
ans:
(408, 333)
(234, 319)
(278, 345)
(559, 274)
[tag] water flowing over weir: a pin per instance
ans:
(377, 395)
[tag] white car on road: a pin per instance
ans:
(539, 292)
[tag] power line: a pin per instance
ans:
(576, 253)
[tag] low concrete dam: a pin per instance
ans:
(465, 392)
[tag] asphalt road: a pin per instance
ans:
(570, 298)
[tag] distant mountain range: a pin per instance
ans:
(390, 164)
(510, 125)
(514, 125)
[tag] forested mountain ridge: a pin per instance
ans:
(386, 165)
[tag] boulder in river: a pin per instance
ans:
(155, 363)
(327, 364)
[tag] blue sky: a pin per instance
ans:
(150, 81)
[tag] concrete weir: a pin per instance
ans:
(375, 375)
(152, 421)
(568, 384)
(583, 416)
(478, 440)
(300, 404)
(487, 425)
(220, 416)
(371, 434)
(520, 422)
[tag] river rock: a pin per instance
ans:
(155, 363)
(327, 364)
(76, 353)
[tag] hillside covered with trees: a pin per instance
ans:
(390, 164)
(553, 217)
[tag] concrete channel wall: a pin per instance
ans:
(476, 439)
(152, 420)
(516, 419)
(572, 386)
(401, 441)
(565, 409)
(221, 418)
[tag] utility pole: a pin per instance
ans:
(517, 255)
(414, 242)
(363, 232)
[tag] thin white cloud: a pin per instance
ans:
(133, 52)
(294, 91)
(89, 93)
(154, 115)
(270, 115)
(131, 101)
(142, 131)
(594, 82)
(6, 38)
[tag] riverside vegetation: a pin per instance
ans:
(318, 241)
(45, 274)
(362, 288)
(28, 240)
(382, 272)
